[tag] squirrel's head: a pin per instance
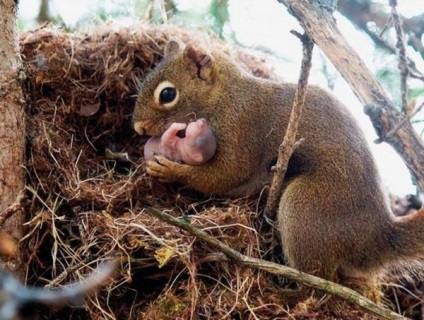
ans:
(175, 89)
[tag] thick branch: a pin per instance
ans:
(277, 269)
(44, 13)
(320, 26)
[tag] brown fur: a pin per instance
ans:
(334, 218)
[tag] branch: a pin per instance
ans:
(15, 296)
(44, 12)
(410, 115)
(289, 142)
(320, 26)
(400, 44)
(361, 12)
(412, 67)
(277, 269)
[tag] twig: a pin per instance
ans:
(414, 40)
(416, 76)
(400, 44)
(277, 269)
(56, 281)
(413, 72)
(386, 27)
(15, 295)
(15, 207)
(404, 120)
(289, 142)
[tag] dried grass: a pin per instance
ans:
(88, 191)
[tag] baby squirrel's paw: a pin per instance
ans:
(166, 170)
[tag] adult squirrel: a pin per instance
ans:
(333, 216)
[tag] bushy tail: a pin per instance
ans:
(407, 237)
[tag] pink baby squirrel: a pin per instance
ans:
(197, 147)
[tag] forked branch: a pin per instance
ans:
(319, 24)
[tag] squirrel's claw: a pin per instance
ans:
(164, 169)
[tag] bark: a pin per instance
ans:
(321, 27)
(44, 13)
(12, 129)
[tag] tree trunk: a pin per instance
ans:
(44, 13)
(12, 130)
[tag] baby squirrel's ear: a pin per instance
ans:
(202, 61)
(173, 46)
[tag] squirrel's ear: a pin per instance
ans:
(202, 61)
(173, 46)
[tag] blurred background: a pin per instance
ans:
(265, 25)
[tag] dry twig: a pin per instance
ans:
(15, 296)
(407, 118)
(400, 44)
(289, 142)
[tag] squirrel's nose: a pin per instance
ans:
(139, 128)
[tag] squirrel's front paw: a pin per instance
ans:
(165, 169)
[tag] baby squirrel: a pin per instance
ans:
(333, 215)
(196, 147)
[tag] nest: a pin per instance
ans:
(88, 190)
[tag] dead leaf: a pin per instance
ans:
(88, 110)
(163, 255)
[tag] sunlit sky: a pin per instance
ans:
(266, 24)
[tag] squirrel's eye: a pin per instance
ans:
(167, 95)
